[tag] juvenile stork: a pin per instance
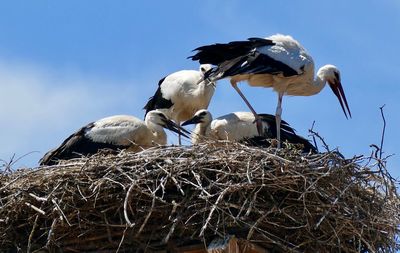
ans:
(277, 62)
(181, 94)
(239, 126)
(115, 132)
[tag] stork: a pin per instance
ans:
(239, 126)
(277, 62)
(181, 94)
(115, 132)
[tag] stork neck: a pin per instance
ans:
(202, 88)
(202, 128)
(200, 131)
(160, 137)
(317, 85)
(158, 132)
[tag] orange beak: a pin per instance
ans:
(337, 88)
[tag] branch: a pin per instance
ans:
(319, 137)
(383, 132)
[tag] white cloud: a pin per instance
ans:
(40, 107)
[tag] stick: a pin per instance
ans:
(38, 198)
(128, 222)
(61, 212)
(51, 233)
(220, 197)
(37, 209)
(122, 240)
(383, 132)
(28, 248)
(147, 217)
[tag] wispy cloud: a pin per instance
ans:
(39, 107)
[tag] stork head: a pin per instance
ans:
(205, 68)
(159, 119)
(331, 75)
(200, 117)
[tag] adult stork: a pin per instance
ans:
(239, 126)
(277, 62)
(181, 94)
(115, 132)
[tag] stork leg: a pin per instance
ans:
(258, 121)
(179, 134)
(278, 119)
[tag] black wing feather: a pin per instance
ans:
(256, 63)
(77, 145)
(287, 135)
(218, 53)
(157, 101)
(240, 57)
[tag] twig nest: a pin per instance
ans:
(283, 200)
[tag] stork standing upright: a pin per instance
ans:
(181, 94)
(277, 62)
(115, 132)
(239, 126)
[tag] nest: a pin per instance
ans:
(172, 196)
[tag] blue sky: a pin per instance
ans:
(64, 64)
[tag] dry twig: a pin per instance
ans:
(278, 199)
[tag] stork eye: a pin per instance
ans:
(202, 69)
(161, 115)
(336, 75)
(202, 114)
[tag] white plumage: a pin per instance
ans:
(279, 62)
(234, 126)
(115, 132)
(288, 51)
(239, 126)
(181, 94)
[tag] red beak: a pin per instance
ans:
(339, 92)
